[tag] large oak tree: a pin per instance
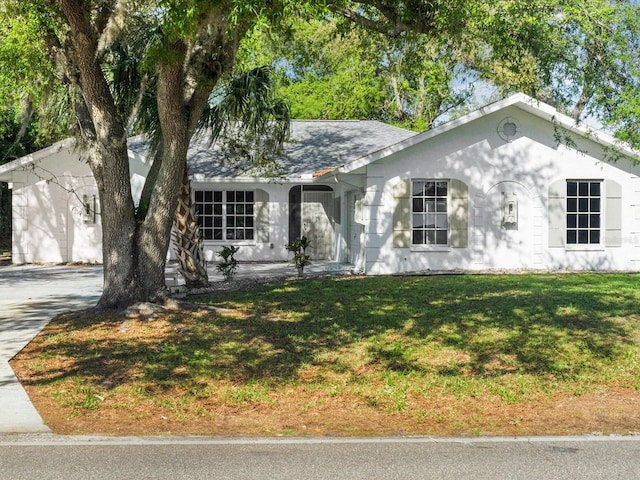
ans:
(194, 45)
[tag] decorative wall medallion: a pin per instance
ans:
(508, 129)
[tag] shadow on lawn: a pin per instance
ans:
(485, 325)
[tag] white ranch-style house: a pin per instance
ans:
(494, 189)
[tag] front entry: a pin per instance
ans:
(84, 226)
(312, 214)
(508, 226)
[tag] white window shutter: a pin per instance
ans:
(556, 212)
(613, 214)
(402, 214)
(459, 214)
(262, 216)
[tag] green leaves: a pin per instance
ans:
(328, 71)
(24, 66)
(248, 121)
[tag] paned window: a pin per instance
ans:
(430, 221)
(225, 215)
(584, 203)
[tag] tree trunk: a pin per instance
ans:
(150, 182)
(104, 136)
(187, 239)
(122, 286)
(135, 249)
(152, 241)
(154, 236)
(134, 252)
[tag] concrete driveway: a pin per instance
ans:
(30, 296)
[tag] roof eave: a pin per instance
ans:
(547, 112)
(34, 157)
(200, 178)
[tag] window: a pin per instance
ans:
(430, 221)
(225, 215)
(583, 211)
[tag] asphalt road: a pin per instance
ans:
(59, 458)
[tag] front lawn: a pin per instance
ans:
(435, 355)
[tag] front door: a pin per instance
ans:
(318, 223)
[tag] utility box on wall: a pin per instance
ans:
(509, 210)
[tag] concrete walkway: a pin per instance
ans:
(30, 296)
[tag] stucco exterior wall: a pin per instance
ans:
(524, 165)
(43, 205)
(49, 224)
(371, 208)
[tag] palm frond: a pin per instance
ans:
(245, 111)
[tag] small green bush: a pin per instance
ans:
(228, 265)
(300, 258)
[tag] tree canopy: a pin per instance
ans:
(329, 71)
(188, 47)
(579, 55)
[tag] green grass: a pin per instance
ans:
(396, 345)
(511, 335)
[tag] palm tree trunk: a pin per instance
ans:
(187, 239)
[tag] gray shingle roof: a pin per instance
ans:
(314, 145)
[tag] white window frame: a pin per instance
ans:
(225, 213)
(446, 214)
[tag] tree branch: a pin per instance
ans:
(211, 57)
(410, 16)
(109, 24)
(103, 16)
(386, 28)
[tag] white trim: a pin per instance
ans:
(200, 178)
(237, 243)
(585, 247)
(430, 248)
(67, 143)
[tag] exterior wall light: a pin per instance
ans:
(509, 210)
(89, 208)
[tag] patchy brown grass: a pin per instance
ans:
(534, 355)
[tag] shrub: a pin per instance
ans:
(228, 265)
(300, 258)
